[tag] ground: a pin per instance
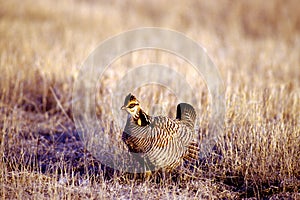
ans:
(254, 44)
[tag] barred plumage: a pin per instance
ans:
(161, 141)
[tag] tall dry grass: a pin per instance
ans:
(255, 44)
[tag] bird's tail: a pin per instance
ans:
(186, 113)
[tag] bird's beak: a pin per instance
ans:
(123, 108)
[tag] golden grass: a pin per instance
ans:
(255, 44)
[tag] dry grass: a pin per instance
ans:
(255, 44)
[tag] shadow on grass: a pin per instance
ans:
(62, 153)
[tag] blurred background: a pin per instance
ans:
(254, 44)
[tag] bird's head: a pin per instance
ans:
(131, 105)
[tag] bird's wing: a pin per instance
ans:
(168, 146)
(164, 141)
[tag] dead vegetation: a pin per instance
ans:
(255, 44)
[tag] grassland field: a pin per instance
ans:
(255, 45)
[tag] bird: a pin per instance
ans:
(161, 142)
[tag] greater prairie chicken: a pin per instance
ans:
(163, 143)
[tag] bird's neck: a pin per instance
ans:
(141, 118)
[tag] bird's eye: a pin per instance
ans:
(131, 105)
